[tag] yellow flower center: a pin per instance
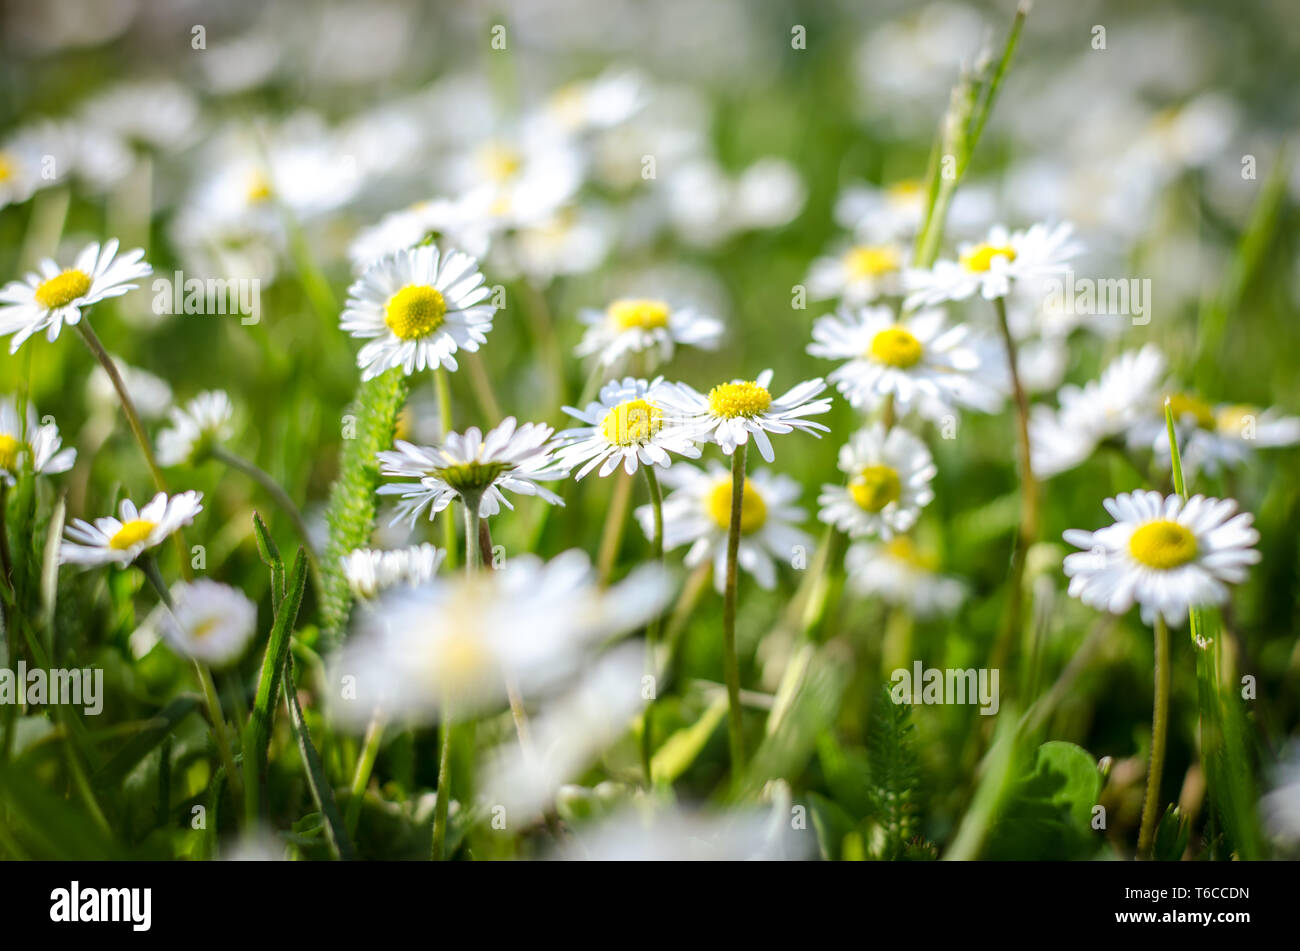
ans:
(753, 510)
(259, 189)
(62, 290)
(896, 347)
(462, 662)
(980, 257)
(131, 533)
(908, 190)
(902, 548)
(1233, 420)
(1185, 404)
(871, 260)
(630, 314)
(10, 450)
(875, 487)
(632, 422)
(204, 628)
(500, 163)
(6, 168)
(1162, 544)
(415, 311)
(739, 399)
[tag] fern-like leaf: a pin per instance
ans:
(895, 777)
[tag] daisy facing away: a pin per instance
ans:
(54, 296)
(122, 540)
(920, 363)
(631, 425)
(641, 325)
(510, 457)
(990, 266)
(420, 306)
(889, 483)
(732, 412)
(698, 513)
(31, 444)
(370, 573)
(1166, 553)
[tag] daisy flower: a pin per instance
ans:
(1213, 437)
(56, 296)
(121, 540)
(920, 362)
(990, 266)
(441, 220)
(422, 306)
(698, 513)
(1166, 553)
(900, 574)
(39, 443)
(598, 103)
(151, 395)
(638, 324)
(629, 425)
(208, 621)
(204, 422)
(858, 274)
(369, 573)
(450, 645)
(883, 212)
(510, 457)
(889, 483)
(155, 115)
(514, 180)
(732, 412)
(20, 168)
(1099, 410)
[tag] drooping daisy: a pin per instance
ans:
(449, 646)
(422, 306)
(32, 444)
(1166, 553)
(639, 324)
(207, 621)
(859, 274)
(510, 457)
(121, 540)
(990, 266)
(889, 483)
(202, 423)
(900, 574)
(734, 411)
(1212, 437)
(1097, 411)
(56, 296)
(629, 425)
(924, 365)
(698, 513)
(369, 573)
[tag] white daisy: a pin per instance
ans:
(900, 574)
(369, 573)
(56, 296)
(858, 274)
(423, 306)
(511, 181)
(1166, 553)
(883, 213)
(698, 513)
(202, 423)
(151, 395)
(628, 425)
(509, 458)
(990, 266)
(924, 365)
(574, 239)
(39, 444)
(207, 621)
(451, 645)
(122, 540)
(889, 483)
(602, 102)
(21, 159)
(1212, 437)
(441, 220)
(157, 115)
(638, 324)
(734, 411)
(1099, 410)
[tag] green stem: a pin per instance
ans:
(653, 628)
(731, 666)
(365, 765)
(444, 788)
(1159, 731)
(280, 497)
(6, 561)
(612, 538)
(442, 387)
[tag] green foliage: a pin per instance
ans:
(894, 773)
(1048, 811)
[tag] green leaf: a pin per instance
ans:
(1172, 835)
(894, 774)
(848, 774)
(680, 750)
(321, 791)
(155, 731)
(1048, 811)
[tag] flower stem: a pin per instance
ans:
(473, 549)
(128, 407)
(653, 628)
(1029, 498)
(612, 538)
(1159, 730)
(731, 666)
(365, 764)
(444, 788)
(442, 386)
